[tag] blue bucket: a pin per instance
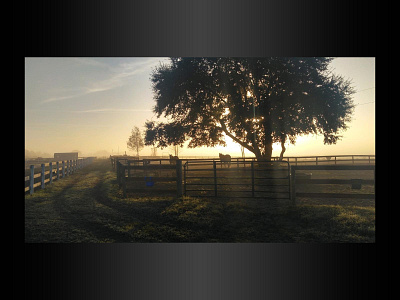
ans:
(149, 181)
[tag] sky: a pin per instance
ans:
(91, 104)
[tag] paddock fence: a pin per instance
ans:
(51, 171)
(246, 177)
(157, 176)
(333, 181)
(292, 160)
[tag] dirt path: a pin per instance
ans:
(78, 209)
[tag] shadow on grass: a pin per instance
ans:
(89, 207)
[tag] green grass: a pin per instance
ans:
(88, 207)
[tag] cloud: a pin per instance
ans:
(112, 110)
(64, 97)
(117, 76)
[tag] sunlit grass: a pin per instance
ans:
(89, 207)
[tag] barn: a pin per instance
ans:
(66, 156)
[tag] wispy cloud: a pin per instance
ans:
(111, 110)
(117, 76)
(64, 97)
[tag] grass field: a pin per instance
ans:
(88, 207)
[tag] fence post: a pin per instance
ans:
(63, 168)
(293, 184)
(179, 178)
(252, 179)
(123, 181)
(32, 179)
(51, 172)
(42, 177)
(184, 178)
(215, 177)
(118, 175)
(58, 170)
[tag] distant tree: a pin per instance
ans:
(255, 101)
(135, 141)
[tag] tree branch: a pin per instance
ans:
(225, 130)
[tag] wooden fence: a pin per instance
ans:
(53, 171)
(356, 183)
(143, 174)
(330, 160)
(293, 160)
(125, 165)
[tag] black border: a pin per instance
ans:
(203, 28)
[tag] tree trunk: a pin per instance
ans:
(268, 145)
(283, 149)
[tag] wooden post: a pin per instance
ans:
(51, 172)
(58, 170)
(63, 168)
(179, 178)
(215, 177)
(293, 185)
(252, 178)
(118, 171)
(184, 179)
(123, 180)
(31, 179)
(42, 177)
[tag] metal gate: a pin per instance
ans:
(240, 179)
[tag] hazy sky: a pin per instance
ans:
(92, 104)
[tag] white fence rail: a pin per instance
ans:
(53, 171)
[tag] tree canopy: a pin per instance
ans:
(255, 101)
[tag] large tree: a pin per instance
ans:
(255, 101)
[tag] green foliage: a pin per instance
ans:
(255, 101)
